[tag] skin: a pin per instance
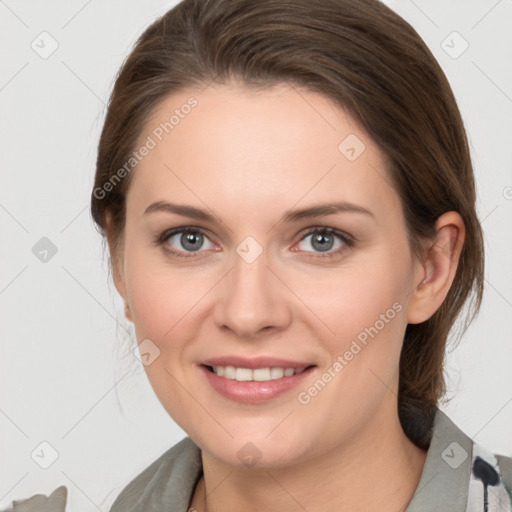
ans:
(248, 157)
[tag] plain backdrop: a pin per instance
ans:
(67, 372)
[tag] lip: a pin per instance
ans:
(256, 362)
(254, 392)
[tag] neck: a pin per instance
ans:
(378, 470)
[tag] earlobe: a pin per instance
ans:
(441, 258)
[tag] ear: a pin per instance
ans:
(441, 258)
(116, 259)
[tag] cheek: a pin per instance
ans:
(364, 308)
(365, 313)
(162, 302)
(351, 298)
(156, 311)
(155, 308)
(161, 297)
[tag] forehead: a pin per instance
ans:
(229, 143)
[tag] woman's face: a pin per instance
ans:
(257, 284)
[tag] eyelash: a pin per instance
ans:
(348, 241)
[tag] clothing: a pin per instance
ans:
(459, 475)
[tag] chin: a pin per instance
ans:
(258, 451)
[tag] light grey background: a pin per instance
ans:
(67, 373)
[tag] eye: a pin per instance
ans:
(324, 240)
(187, 240)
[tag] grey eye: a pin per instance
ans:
(190, 240)
(322, 241)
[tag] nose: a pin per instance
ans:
(252, 300)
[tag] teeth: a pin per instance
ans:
(261, 374)
(229, 372)
(257, 374)
(243, 374)
(277, 373)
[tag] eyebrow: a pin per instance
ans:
(319, 210)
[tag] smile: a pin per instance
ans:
(254, 381)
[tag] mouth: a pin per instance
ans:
(254, 381)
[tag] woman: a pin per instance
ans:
(288, 198)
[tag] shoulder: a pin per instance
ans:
(56, 502)
(461, 475)
(170, 479)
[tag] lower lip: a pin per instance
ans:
(253, 392)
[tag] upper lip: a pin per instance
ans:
(256, 362)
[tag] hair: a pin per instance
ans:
(371, 63)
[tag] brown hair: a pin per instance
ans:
(369, 61)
